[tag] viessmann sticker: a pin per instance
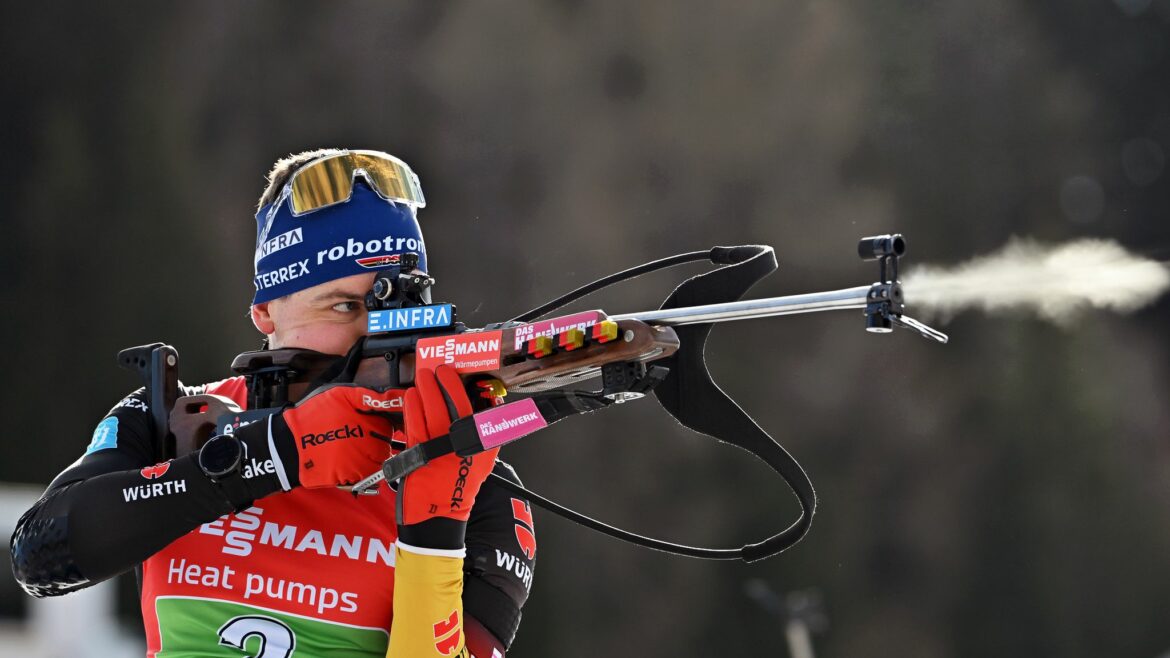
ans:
(470, 352)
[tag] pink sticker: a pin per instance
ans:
(527, 332)
(508, 422)
(474, 351)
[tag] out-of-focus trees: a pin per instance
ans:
(1001, 495)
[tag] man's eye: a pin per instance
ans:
(345, 307)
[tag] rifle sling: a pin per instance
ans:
(690, 395)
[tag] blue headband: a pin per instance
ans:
(364, 234)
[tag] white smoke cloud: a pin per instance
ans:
(1057, 282)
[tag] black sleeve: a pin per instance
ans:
(501, 554)
(114, 507)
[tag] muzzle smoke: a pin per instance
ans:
(1056, 282)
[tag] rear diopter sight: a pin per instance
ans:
(399, 286)
(383, 288)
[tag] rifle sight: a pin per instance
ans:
(881, 246)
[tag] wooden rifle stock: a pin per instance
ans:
(519, 370)
(389, 359)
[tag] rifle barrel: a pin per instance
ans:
(754, 308)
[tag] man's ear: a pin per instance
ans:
(262, 318)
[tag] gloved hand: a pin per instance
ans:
(335, 436)
(435, 501)
(341, 434)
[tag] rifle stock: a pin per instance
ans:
(510, 358)
(505, 354)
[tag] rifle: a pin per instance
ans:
(158, 365)
(549, 365)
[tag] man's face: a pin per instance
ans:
(328, 318)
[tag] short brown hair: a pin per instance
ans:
(284, 168)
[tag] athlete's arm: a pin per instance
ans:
(496, 577)
(498, 569)
(114, 507)
(433, 506)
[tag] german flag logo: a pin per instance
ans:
(372, 262)
(448, 633)
(525, 529)
(156, 471)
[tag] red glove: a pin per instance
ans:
(446, 487)
(340, 435)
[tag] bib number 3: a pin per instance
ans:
(276, 639)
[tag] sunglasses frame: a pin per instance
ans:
(412, 182)
(286, 193)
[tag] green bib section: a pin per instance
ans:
(209, 628)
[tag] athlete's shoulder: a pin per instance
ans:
(126, 434)
(127, 425)
(138, 401)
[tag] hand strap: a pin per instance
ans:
(493, 428)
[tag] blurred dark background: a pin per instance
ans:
(1006, 494)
